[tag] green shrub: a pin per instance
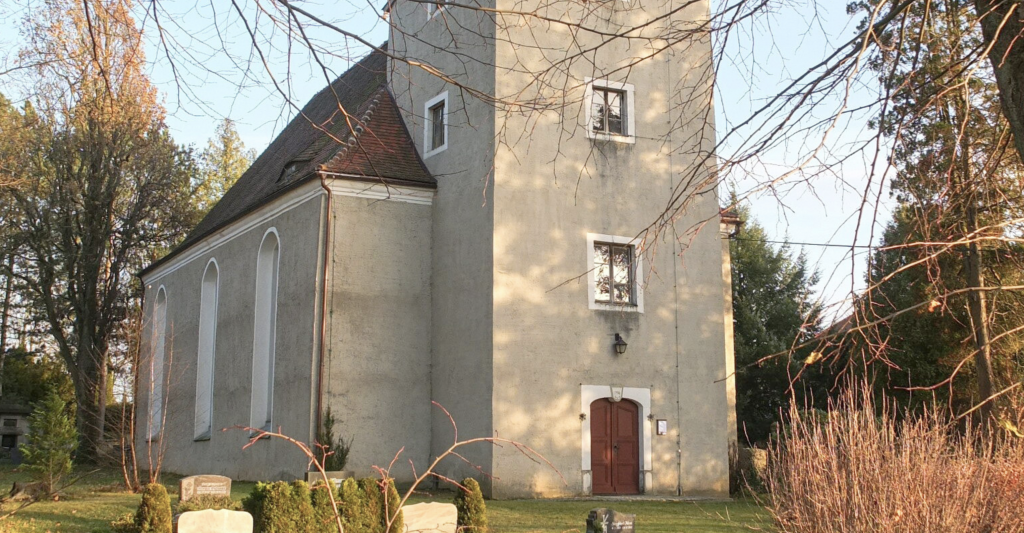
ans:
(374, 502)
(280, 507)
(154, 514)
(52, 440)
(323, 511)
(471, 507)
(334, 450)
(353, 507)
(201, 503)
(393, 510)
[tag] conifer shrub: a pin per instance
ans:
(280, 507)
(373, 501)
(323, 511)
(52, 440)
(334, 450)
(154, 514)
(471, 507)
(393, 507)
(354, 508)
(202, 503)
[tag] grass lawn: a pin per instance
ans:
(92, 503)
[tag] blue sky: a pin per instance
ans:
(758, 63)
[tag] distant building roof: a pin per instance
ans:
(351, 127)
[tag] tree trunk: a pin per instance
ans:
(5, 321)
(90, 399)
(978, 307)
(1002, 24)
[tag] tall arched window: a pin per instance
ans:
(207, 351)
(156, 362)
(265, 332)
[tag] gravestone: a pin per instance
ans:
(430, 518)
(207, 485)
(210, 521)
(609, 521)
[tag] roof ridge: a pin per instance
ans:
(353, 136)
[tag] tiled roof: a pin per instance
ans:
(368, 140)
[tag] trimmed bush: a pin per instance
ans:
(323, 511)
(354, 508)
(394, 509)
(154, 514)
(374, 504)
(201, 503)
(471, 507)
(281, 507)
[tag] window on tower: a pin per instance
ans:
(609, 111)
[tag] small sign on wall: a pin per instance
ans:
(662, 427)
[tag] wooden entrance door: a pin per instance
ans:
(615, 447)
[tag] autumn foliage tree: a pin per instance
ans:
(106, 189)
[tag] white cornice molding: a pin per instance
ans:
(287, 202)
(339, 184)
(377, 190)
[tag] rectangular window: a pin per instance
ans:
(10, 422)
(615, 278)
(614, 273)
(608, 112)
(9, 441)
(437, 125)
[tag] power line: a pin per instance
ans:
(791, 242)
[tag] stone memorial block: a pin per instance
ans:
(430, 518)
(210, 521)
(610, 521)
(336, 476)
(207, 485)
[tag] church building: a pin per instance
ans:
(531, 240)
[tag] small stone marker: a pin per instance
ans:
(609, 521)
(192, 486)
(210, 521)
(336, 476)
(430, 518)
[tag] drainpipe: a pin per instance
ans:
(323, 306)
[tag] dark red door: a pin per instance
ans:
(615, 447)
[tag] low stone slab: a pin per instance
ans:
(207, 485)
(610, 521)
(210, 521)
(336, 476)
(430, 518)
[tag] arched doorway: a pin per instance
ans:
(615, 447)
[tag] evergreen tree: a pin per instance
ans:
(52, 440)
(773, 311)
(223, 161)
(952, 238)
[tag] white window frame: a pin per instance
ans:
(158, 366)
(428, 138)
(206, 358)
(638, 275)
(433, 8)
(588, 103)
(261, 409)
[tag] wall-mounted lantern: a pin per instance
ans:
(620, 344)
